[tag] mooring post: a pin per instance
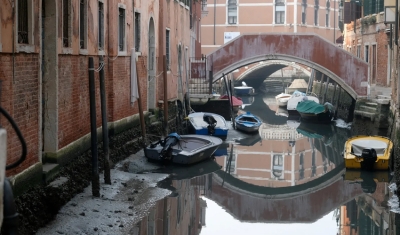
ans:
(165, 95)
(103, 104)
(93, 131)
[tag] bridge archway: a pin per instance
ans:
(350, 72)
(269, 63)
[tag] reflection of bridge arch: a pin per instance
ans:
(269, 63)
(350, 72)
(302, 203)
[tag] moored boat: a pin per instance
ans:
(183, 149)
(202, 123)
(312, 111)
(282, 99)
(296, 98)
(368, 152)
(248, 122)
(244, 90)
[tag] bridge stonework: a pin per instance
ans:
(350, 72)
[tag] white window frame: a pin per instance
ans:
(358, 51)
(30, 47)
(316, 14)
(284, 11)
(84, 50)
(123, 51)
(227, 13)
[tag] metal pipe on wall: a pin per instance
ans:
(215, 15)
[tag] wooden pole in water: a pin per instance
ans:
(165, 95)
(141, 115)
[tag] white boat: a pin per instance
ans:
(183, 149)
(208, 124)
(282, 99)
(296, 98)
(244, 90)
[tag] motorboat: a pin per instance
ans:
(282, 99)
(296, 98)
(248, 122)
(368, 152)
(312, 111)
(244, 90)
(183, 149)
(203, 123)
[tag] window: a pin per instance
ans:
(328, 5)
(82, 24)
(303, 11)
(277, 166)
(316, 7)
(66, 24)
(137, 31)
(121, 31)
(366, 53)
(232, 12)
(358, 51)
(23, 26)
(101, 26)
(279, 12)
(301, 170)
(167, 47)
(374, 64)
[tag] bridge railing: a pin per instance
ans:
(199, 83)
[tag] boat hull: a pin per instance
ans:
(199, 127)
(325, 117)
(355, 161)
(247, 123)
(189, 150)
(244, 91)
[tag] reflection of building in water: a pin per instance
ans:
(181, 214)
(367, 214)
(283, 158)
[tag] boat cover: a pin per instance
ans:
(310, 106)
(359, 145)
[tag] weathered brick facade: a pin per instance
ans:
(20, 98)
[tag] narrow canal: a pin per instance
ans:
(288, 179)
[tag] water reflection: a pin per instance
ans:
(288, 179)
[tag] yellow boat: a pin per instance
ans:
(368, 152)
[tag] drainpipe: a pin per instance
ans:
(334, 22)
(295, 16)
(215, 15)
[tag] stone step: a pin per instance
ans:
(385, 97)
(365, 114)
(50, 172)
(368, 108)
(371, 104)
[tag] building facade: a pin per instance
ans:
(45, 47)
(227, 19)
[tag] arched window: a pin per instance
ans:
(316, 7)
(279, 11)
(303, 11)
(232, 12)
(328, 9)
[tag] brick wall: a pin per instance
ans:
(74, 106)
(382, 58)
(19, 97)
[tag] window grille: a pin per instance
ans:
(82, 23)
(232, 12)
(137, 31)
(101, 25)
(23, 28)
(167, 48)
(66, 19)
(121, 29)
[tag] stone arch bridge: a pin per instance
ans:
(348, 71)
